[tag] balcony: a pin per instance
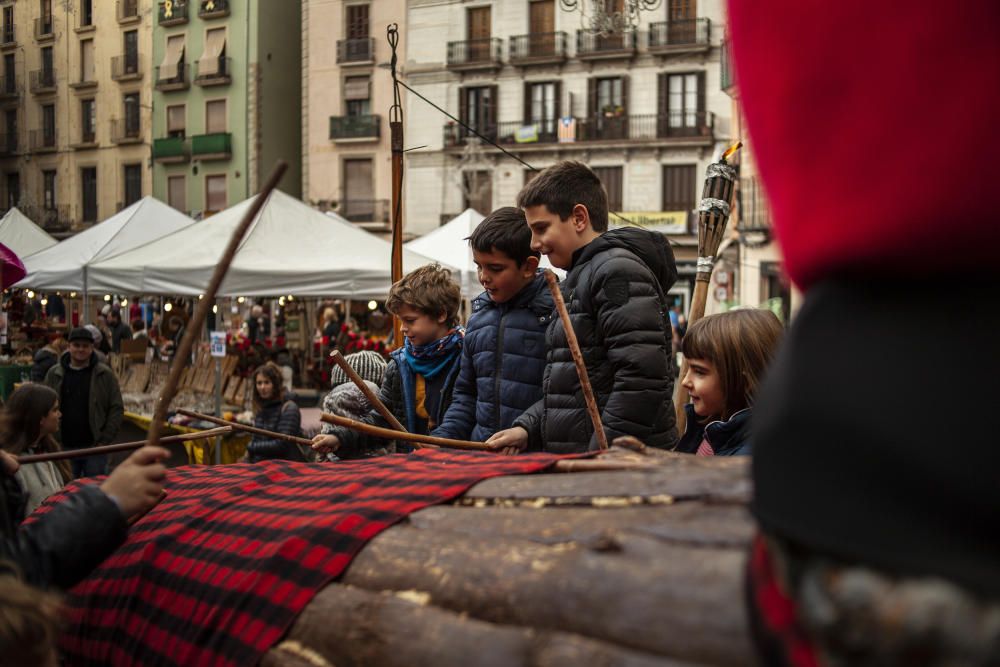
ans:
(42, 141)
(170, 150)
(127, 67)
(213, 9)
(43, 81)
(8, 145)
(474, 54)
(44, 28)
(178, 82)
(694, 128)
(10, 87)
(365, 210)
(126, 131)
(176, 14)
(128, 11)
(217, 146)
(597, 47)
(356, 51)
(8, 37)
(88, 140)
(53, 218)
(355, 128)
(83, 84)
(681, 36)
(220, 77)
(538, 49)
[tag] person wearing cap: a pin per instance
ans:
(90, 400)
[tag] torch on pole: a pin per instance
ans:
(713, 214)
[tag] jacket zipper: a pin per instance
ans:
(496, 372)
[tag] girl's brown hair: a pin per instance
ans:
(29, 622)
(272, 372)
(740, 344)
(21, 422)
(428, 289)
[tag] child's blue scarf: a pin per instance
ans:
(426, 360)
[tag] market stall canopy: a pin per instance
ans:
(291, 248)
(21, 235)
(448, 245)
(65, 266)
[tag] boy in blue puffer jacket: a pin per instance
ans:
(503, 357)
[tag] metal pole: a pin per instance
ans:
(218, 407)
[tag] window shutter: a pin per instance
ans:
(463, 108)
(527, 103)
(701, 120)
(625, 85)
(491, 114)
(592, 98)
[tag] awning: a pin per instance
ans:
(175, 118)
(172, 59)
(215, 44)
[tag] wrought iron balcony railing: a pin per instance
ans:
(42, 141)
(128, 11)
(177, 82)
(126, 67)
(484, 53)
(7, 36)
(355, 50)
(126, 130)
(355, 127)
(44, 28)
(172, 12)
(43, 81)
(546, 47)
(10, 87)
(213, 9)
(592, 46)
(220, 77)
(680, 36)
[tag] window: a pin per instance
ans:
(13, 189)
(682, 98)
(357, 21)
(610, 96)
(132, 117)
(172, 67)
(131, 50)
(542, 25)
(133, 184)
(176, 121)
(47, 61)
(479, 30)
(608, 108)
(49, 189)
(478, 187)
(215, 193)
(87, 60)
(542, 106)
(680, 189)
(611, 177)
(215, 116)
(359, 191)
(88, 121)
(49, 125)
(10, 125)
(9, 74)
(177, 193)
(88, 180)
(357, 95)
(46, 15)
(680, 10)
(212, 61)
(8, 24)
(478, 109)
(86, 13)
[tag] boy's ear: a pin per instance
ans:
(530, 265)
(580, 217)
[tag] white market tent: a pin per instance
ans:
(448, 245)
(23, 236)
(290, 248)
(66, 265)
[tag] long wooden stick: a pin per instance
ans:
(581, 366)
(338, 359)
(120, 447)
(249, 429)
(201, 312)
(389, 434)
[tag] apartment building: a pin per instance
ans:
(643, 108)
(226, 84)
(347, 93)
(74, 108)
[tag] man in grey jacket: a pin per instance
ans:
(90, 401)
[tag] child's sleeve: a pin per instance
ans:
(460, 417)
(391, 395)
(531, 421)
(626, 300)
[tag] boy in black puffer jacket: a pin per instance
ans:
(614, 292)
(503, 356)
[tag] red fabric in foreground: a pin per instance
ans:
(217, 572)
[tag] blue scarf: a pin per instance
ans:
(429, 360)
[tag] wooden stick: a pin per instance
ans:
(120, 447)
(249, 429)
(581, 367)
(338, 359)
(389, 434)
(194, 326)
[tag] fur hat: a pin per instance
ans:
(368, 364)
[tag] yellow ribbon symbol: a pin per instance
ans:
(168, 9)
(210, 5)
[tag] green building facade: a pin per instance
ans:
(226, 100)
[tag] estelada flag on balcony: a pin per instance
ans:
(567, 130)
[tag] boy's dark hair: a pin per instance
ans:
(430, 290)
(564, 185)
(506, 230)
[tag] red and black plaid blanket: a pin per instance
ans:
(217, 572)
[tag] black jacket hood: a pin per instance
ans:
(650, 247)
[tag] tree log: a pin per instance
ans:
(348, 626)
